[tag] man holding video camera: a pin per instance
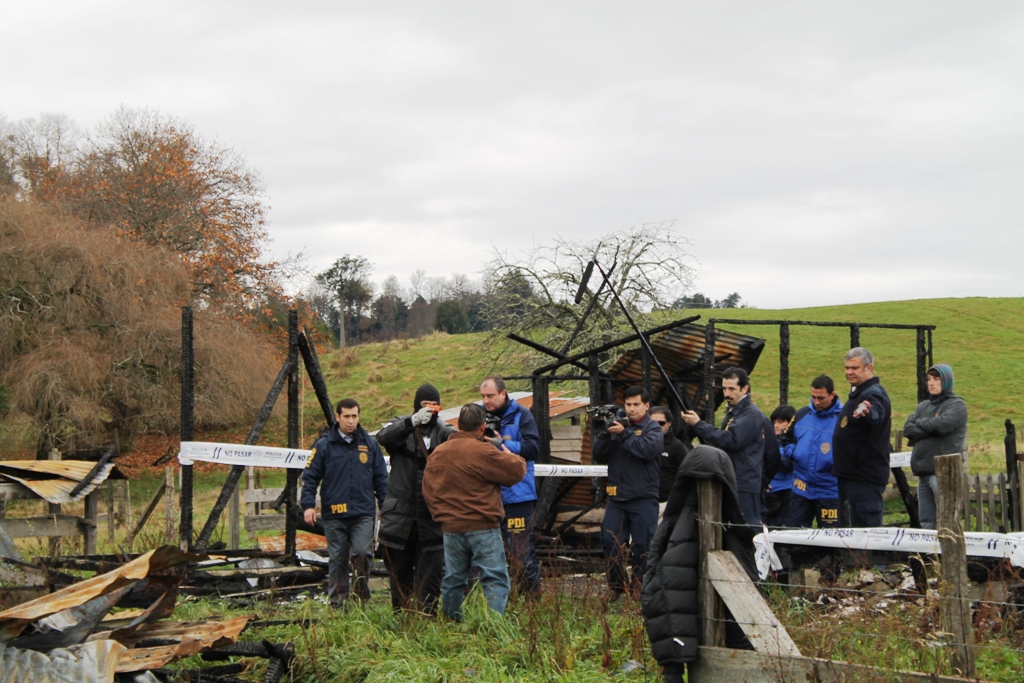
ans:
(632, 449)
(513, 427)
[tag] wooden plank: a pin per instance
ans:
(954, 600)
(979, 516)
(54, 509)
(234, 518)
(748, 607)
(566, 432)
(262, 495)
(1003, 509)
(51, 526)
(265, 522)
(89, 530)
(12, 491)
(169, 525)
(993, 525)
(111, 514)
(712, 610)
(720, 665)
(562, 445)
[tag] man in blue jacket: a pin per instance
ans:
(633, 453)
(354, 477)
(815, 491)
(861, 444)
(518, 434)
(741, 437)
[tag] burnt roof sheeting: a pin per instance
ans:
(55, 480)
(93, 662)
(681, 352)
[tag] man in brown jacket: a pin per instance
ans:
(462, 488)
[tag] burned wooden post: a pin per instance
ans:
(111, 514)
(955, 598)
(709, 373)
(854, 336)
(922, 366)
(188, 410)
(645, 370)
(231, 483)
(783, 363)
(316, 377)
(712, 610)
(541, 411)
(1012, 472)
(293, 430)
(147, 512)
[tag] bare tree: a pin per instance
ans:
(418, 281)
(533, 290)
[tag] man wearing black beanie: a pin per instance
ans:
(413, 542)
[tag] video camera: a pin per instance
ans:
(602, 417)
(492, 426)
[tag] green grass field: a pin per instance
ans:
(982, 339)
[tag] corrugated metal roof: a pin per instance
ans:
(54, 480)
(681, 352)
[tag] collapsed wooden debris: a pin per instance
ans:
(72, 635)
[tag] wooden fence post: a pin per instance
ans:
(712, 610)
(954, 598)
(234, 519)
(111, 515)
(169, 499)
(54, 509)
(89, 530)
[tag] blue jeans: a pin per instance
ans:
(485, 550)
(927, 499)
(865, 503)
(345, 534)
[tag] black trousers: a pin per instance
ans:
(517, 533)
(415, 575)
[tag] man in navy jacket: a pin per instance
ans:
(354, 477)
(634, 476)
(518, 434)
(741, 437)
(861, 444)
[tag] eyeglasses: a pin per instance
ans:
(662, 423)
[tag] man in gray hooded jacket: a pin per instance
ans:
(937, 427)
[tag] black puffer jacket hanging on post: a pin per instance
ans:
(669, 593)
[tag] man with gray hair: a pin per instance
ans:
(860, 444)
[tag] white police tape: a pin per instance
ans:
(979, 544)
(240, 454)
(296, 458)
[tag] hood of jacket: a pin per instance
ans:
(946, 375)
(703, 462)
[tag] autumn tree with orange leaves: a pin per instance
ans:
(103, 238)
(155, 180)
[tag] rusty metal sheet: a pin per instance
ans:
(68, 469)
(192, 637)
(93, 662)
(56, 489)
(303, 541)
(14, 620)
(681, 352)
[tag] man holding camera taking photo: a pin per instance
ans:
(632, 452)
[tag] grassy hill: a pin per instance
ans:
(982, 339)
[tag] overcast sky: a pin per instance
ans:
(813, 152)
